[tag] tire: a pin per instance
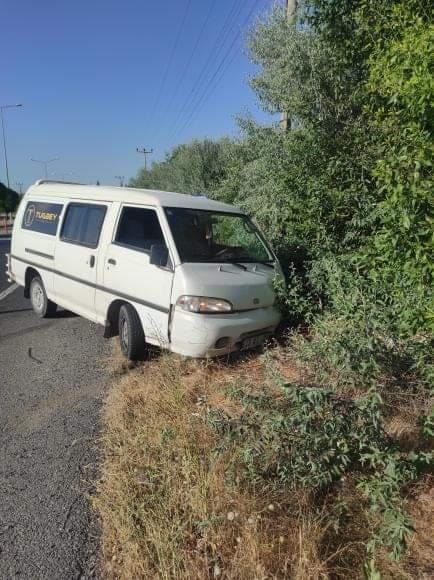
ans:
(131, 336)
(42, 306)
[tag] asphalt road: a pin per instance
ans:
(52, 383)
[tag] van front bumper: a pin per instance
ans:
(196, 335)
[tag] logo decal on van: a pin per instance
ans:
(29, 216)
(42, 217)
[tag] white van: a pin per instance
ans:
(180, 271)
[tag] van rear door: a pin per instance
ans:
(129, 276)
(76, 257)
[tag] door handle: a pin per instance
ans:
(111, 261)
(92, 261)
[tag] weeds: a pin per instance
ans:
(169, 507)
(313, 436)
(233, 472)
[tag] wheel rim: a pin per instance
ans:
(124, 334)
(37, 297)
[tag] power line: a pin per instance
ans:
(190, 59)
(217, 46)
(203, 98)
(169, 62)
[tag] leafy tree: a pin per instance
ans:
(352, 183)
(9, 199)
(401, 92)
(196, 167)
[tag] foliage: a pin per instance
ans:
(346, 195)
(192, 168)
(313, 438)
(310, 438)
(9, 199)
(362, 334)
(383, 489)
(401, 90)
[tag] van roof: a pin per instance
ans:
(46, 189)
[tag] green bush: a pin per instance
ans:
(196, 167)
(9, 199)
(311, 437)
(315, 438)
(364, 334)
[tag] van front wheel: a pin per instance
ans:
(38, 297)
(131, 336)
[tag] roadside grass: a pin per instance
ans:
(175, 502)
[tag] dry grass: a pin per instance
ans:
(419, 562)
(171, 507)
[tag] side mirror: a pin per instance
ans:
(159, 255)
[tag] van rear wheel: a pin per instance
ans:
(131, 336)
(42, 306)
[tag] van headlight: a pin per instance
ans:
(203, 304)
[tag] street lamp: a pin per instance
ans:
(2, 107)
(45, 163)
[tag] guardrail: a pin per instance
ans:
(6, 223)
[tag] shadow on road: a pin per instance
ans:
(59, 314)
(15, 310)
(64, 314)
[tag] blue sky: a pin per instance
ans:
(97, 78)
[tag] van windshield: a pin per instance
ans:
(208, 236)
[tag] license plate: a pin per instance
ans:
(253, 341)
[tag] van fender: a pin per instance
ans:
(29, 275)
(112, 318)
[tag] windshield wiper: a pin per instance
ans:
(269, 264)
(238, 265)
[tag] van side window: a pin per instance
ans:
(42, 217)
(82, 224)
(139, 228)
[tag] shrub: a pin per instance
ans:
(311, 437)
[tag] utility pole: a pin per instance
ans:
(2, 108)
(291, 12)
(121, 179)
(145, 153)
(20, 184)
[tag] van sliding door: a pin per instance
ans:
(76, 257)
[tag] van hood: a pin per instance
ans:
(245, 289)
